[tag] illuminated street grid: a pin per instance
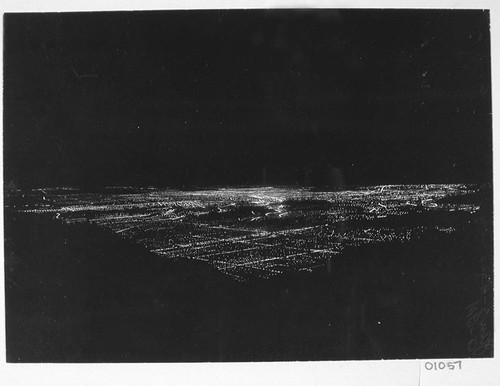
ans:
(252, 232)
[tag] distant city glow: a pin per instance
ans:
(256, 232)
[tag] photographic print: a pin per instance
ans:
(248, 185)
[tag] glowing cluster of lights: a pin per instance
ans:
(251, 232)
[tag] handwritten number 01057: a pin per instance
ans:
(443, 365)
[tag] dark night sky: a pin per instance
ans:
(191, 98)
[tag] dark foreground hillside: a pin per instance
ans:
(78, 293)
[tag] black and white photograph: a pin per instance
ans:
(248, 185)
